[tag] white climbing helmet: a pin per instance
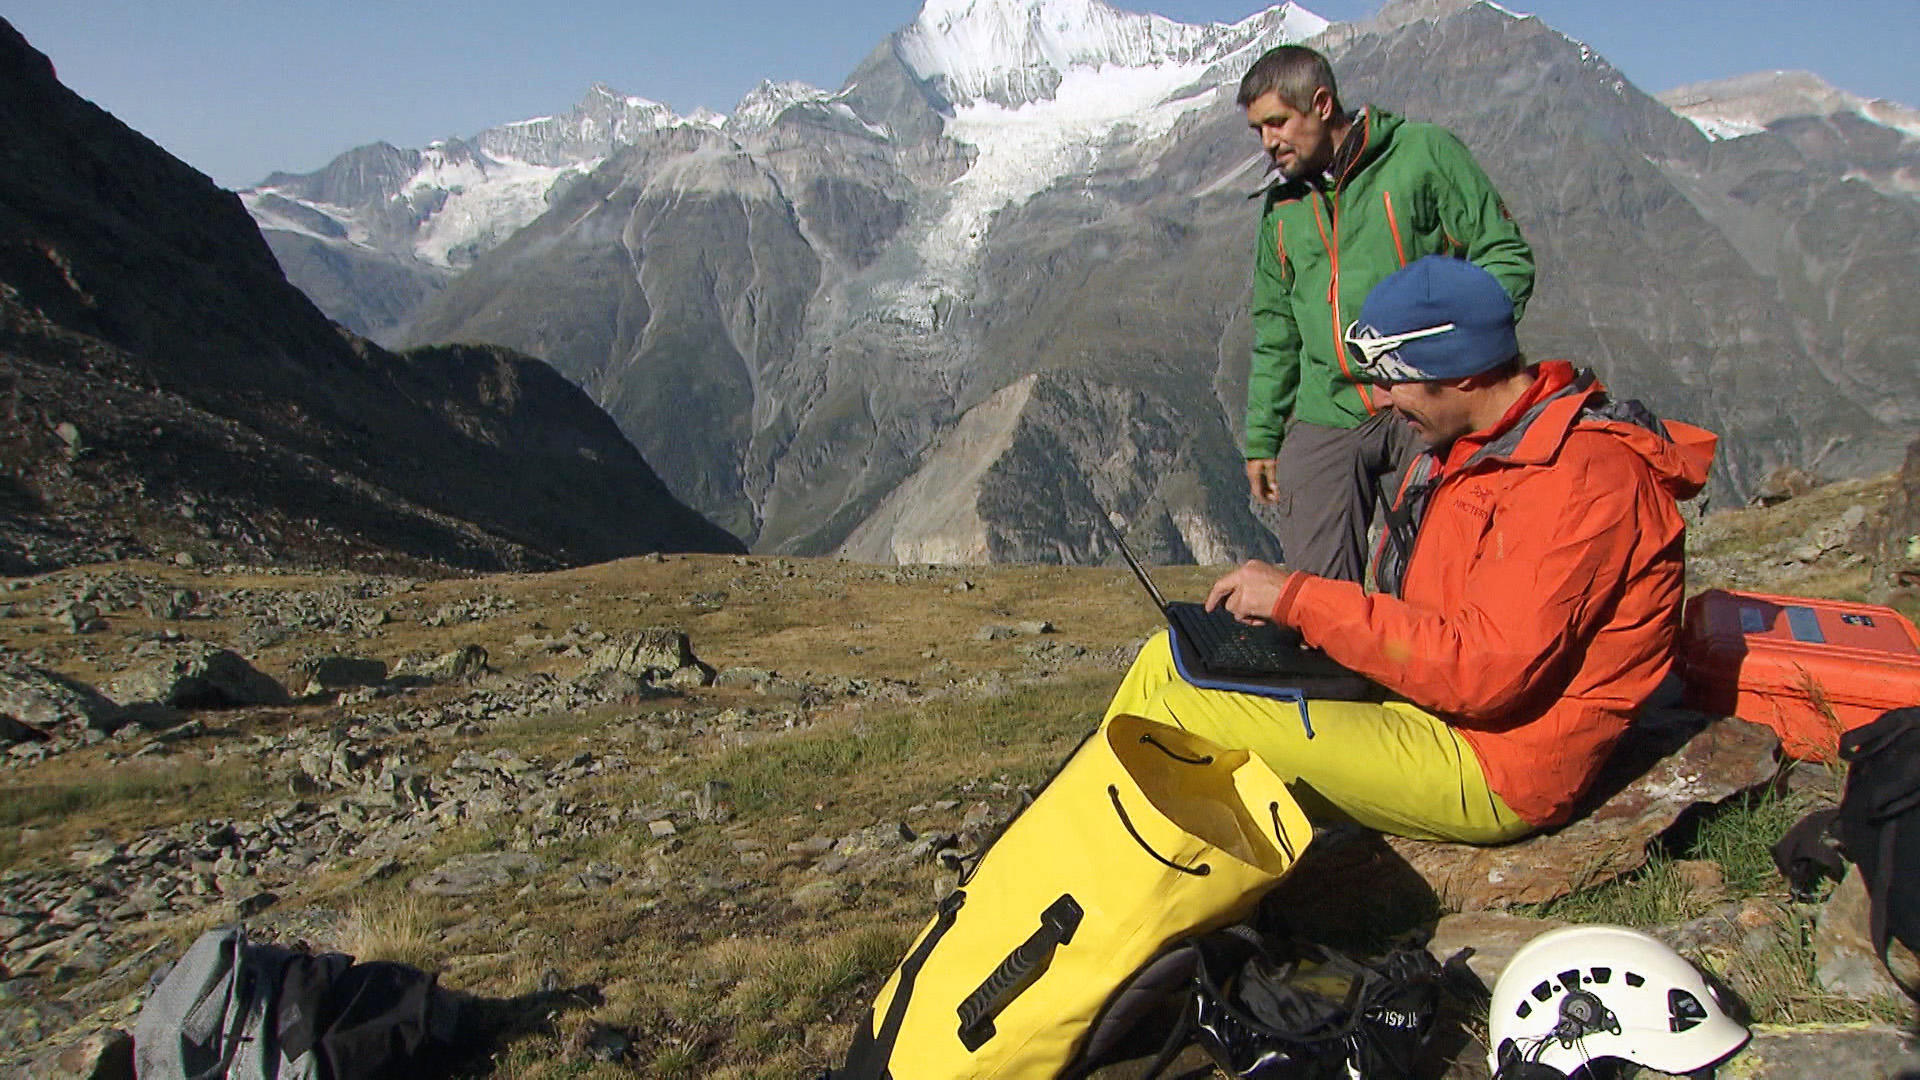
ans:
(1582, 993)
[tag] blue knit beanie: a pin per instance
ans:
(1437, 318)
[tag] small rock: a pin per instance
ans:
(102, 1055)
(662, 828)
(466, 875)
(816, 895)
(1703, 879)
(1845, 961)
(1494, 937)
(747, 678)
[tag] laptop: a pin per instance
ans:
(1212, 649)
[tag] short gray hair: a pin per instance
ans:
(1295, 72)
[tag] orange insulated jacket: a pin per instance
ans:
(1537, 603)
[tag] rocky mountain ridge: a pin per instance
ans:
(170, 393)
(832, 287)
(1877, 141)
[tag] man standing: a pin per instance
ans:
(1357, 197)
(1536, 613)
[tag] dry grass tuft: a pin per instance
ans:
(397, 928)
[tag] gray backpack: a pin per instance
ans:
(217, 1014)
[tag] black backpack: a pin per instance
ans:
(1877, 826)
(1270, 1007)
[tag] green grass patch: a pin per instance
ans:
(1740, 837)
(128, 798)
(1780, 987)
(1654, 895)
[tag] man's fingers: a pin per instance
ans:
(1261, 480)
(1221, 590)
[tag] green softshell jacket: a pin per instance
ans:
(1401, 190)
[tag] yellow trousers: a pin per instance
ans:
(1389, 766)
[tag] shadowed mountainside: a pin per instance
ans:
(167, 389)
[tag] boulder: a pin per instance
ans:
(1494, 937)
(36, 704)
(1783, 483)
(1670, 761)
(460, 665)
(1853, 1051)
(1896, 561)
(200, 676)
(654, 651)
(1352, 884)
(328, 674)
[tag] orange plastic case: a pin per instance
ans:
(1807, 668)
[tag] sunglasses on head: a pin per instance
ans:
(1377, 355)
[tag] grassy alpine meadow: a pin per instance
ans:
(703, 881)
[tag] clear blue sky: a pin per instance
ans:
(239, 88)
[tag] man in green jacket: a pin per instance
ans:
(1357, 197)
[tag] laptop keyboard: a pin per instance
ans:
(1231, 647)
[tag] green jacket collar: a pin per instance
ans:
(1372, 132)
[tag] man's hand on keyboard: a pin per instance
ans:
(1250, 591)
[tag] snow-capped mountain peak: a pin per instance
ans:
(763, 104)
(1748, 104)
(456, 197)
(1039, 87)
(1012, 52)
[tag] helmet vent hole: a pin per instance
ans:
(1602, 975)
(1635, 980)
(1543, 991)
(1685, 1011)
(1570, 979)
(1525, 1010)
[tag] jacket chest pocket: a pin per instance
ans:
(1415, 215)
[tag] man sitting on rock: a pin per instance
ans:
(1525, 596)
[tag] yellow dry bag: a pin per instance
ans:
(1146, 835)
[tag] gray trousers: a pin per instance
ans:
(1328, 479)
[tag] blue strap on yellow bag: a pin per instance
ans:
(1146, 835)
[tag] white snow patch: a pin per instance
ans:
(1011, 49)
(1023, 151)
(487, 201)
(1718, 128)
(269, 216)
(1748, 103)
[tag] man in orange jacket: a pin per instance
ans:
(1526, 594)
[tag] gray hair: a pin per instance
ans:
(1295, 72)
